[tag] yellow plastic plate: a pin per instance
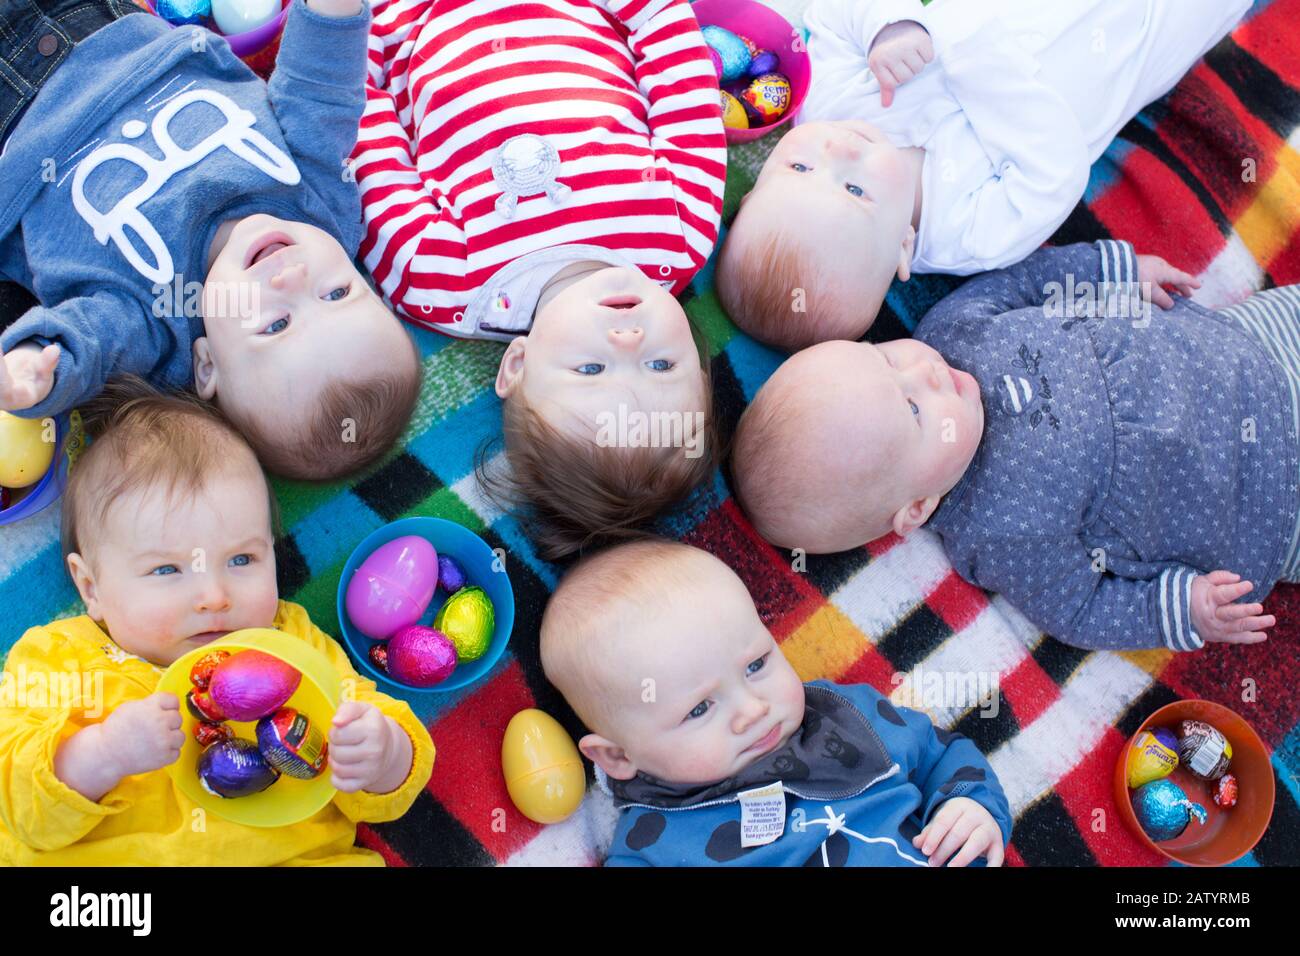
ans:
(288, 800)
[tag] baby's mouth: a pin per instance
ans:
(620, 302)
(265, 246)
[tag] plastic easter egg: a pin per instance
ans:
(240, 16)
(291, 744)
(1153, 755)
(1163, 810)
(421, 656)
(468, 620)
(393, 587)
(451, 576)
(235, 768)
(544, 774)
(733, 114)
(764, 61)
(181, 12)
(25, 455)
(1203, 750)
(731, 50)
(251, 684)
(769, 96)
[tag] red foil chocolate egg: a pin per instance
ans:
(379, 656)
(252, 684)
(208, 734)
(421, 656)
(203, 708)
(201, 672)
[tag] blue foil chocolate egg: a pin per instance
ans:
(731, 49)
(235, 768)
(1163, 810)
(180, 12)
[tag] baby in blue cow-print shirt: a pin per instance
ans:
(716, 753)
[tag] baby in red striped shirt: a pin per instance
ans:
(550, 174)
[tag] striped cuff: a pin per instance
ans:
(1121, 290)
(1176, 610)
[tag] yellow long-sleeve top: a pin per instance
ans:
(145, 819)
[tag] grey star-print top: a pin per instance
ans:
(1125, 451)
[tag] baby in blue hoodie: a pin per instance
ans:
(179, 219)
(717, 754)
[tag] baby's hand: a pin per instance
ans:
(26, 376)
(143, 735)
(899, 52)
(965, 823)
(368, 751)
(1216, 616)
(1154, 274)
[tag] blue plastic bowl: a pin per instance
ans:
(51, 485)
(475, 557)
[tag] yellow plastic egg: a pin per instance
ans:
(25, 455)
(733, 113)
(543, 771)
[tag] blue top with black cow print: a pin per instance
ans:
(861, 778)
(1126, 449)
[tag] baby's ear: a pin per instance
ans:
(905, 254)
(511, 371)
(205, 370)
(914, 514)
(84, 579)
(608, 756)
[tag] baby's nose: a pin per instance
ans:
(837, 147)
(628, 338)
(289, 277)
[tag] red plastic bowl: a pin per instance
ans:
(769, 31)
(1227, 835)
(251, 41)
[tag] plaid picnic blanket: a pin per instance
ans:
(1209, 178)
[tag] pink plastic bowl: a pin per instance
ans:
(252, 41)
(769, 31)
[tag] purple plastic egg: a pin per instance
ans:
(451, 576)
(251, 684)
(393, 587)
(235, 768)
(421, 656)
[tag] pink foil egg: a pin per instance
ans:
(251, 684)
(393, 587)
(421, 656)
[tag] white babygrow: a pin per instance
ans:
(1021, 99)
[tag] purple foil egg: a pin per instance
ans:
(765, 61)
(251, 684)
(235, 768)
(291, 744)
(451, 576)
(421, 656)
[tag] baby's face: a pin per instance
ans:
(166, 574)
(724, 694)
(613, 338)
(284, 307)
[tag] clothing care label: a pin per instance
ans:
(762, 814)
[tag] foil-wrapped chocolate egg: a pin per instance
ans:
(251, 684)
(451, 576)
(1203, 749)
(764, 61)
(201, 672)
(292, 744)
(207, 733)
(768, 96)
(1225, 793)
(468, 620)
(421, 656)
(1164, 811)
(733, 114)
(182, 12)
(1154, 755)
(235, 768)
(201, 705)
(731, 49)
(379, 656)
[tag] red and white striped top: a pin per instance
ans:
(622, 92)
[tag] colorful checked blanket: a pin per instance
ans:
(1209, 178)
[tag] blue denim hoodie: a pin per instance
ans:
(892, 768)
(1124, 452)
(135, 150)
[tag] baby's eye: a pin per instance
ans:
(165, 569)
(915, 410)
(699, 710)
(799, 167)
(241, 560)
(335, 294)
(853, 190)
(661, 365)
(591, 368)
(276, 327)
(756, 665)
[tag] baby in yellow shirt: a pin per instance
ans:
(167, 533)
